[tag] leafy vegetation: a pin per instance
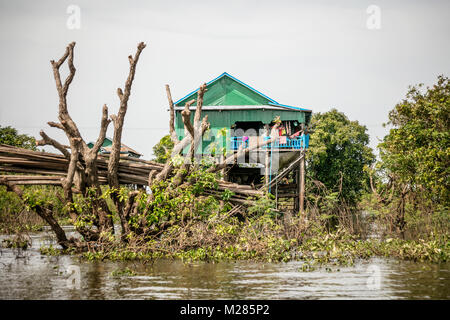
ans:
(10, 136)
(17, 216)
(417, 149)
(338, 153)
(163, 149)
(411, 182)
(264, 238)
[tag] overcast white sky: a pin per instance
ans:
(312, 54)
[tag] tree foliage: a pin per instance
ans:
(416, 152)
(163, 149)
(339, 153)
(10, 136)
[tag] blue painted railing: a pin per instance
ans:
(236, 142)
(300, 142)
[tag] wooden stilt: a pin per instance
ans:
(297, 191)
(276, 195)
(302, 183)
(267, 169)
(223, 172)
(267, 160)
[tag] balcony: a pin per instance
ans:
(281, 143)
(237, 142)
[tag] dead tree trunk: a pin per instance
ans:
(113, 164)
(82, 173)
(87, 176)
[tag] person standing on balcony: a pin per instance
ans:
(245, 141)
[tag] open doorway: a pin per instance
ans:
(246, 126)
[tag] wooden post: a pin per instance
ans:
(223, 171)
(267, 165)
(276, 195)
(267, 160)
(295, 179)
(302, 182)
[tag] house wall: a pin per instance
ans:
(226, 118)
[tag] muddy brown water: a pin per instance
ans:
(30, 275)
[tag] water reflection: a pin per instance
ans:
(28, 275)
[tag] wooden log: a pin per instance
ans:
(18, 178)
(50, 168)
(247, 192)
(34, 171)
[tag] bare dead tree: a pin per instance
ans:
(113, 164)
(86, 175)
(82, 173)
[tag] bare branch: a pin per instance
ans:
(113, 163)
(173, 134)
(186, 115)
(151, 175)
(198, 132)
(66, 121)
(55, 125)
(120, 93)
(64, 57)
(74, 157)
(46, 140)
(71, 68)
(103, 128)
(198, 110)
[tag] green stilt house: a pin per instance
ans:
(244, 112)
(246, 115)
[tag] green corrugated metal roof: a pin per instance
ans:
(226, 90)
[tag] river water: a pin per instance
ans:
(30, 275)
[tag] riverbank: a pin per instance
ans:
(263, 239)
(260, 234)
(315, 251)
